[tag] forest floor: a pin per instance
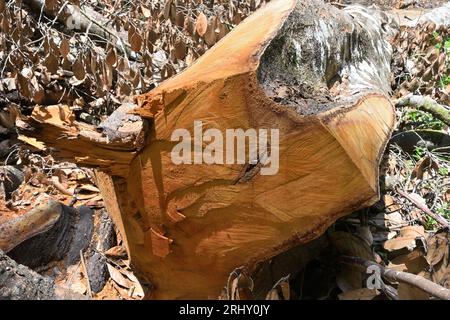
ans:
(42, 62)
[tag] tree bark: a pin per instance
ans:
(317, 74)
(18, 282)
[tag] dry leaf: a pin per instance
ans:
(210, 34)
(136, 42)
(221, 29)
(409, 292)
(188, 26)
(393, 220)
(179, 20)
(64, 47)
(414, 261)
(350, 245)
(180, 49)
(166, 10)
(117, 252)
(359, 294)
(437, 248)
(239, 285)
(146, 12)
(88, 187)
(51, 63)
(24, 85)
(111, 57)
(8, 117)
(118, 277)
(78, 70)
(406, 239)
(390, 204)
(423, 165)
(201, 24)
(78, 287)
(280, 291)
(351, 277)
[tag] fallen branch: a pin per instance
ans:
(398, 276)
(426, 104)
(38, 220)
(425, 209)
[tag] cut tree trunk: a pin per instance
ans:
(318, 74)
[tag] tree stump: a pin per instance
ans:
(317, 74)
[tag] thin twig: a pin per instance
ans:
(425, 209)
(83, 263)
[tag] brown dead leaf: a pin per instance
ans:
(64, 47)
(111, 57)
(437, 248)
(78, 70)
(210, 34)
(423, 165)
(134, 38)
(397, 267)
(439, 258)
(447, 195)
(280, 291)
(118, 278)
(393, 220)
(221, 29)
(146, 12)
(188, 26)
(117, 252)
(406, 239)
(179, 20)
(51, 63)
(351, 277)
(180, 49)
(88, 187)
(350, 245)
(409, 292)
(239, 285)
(166, 10)
(390, 204)
(24, 85)
(8, 118)
(359, 294)
(201, 24)
(414, 262)
(78, 287)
